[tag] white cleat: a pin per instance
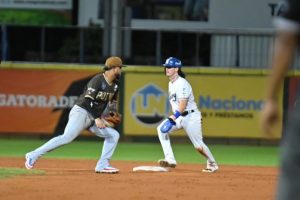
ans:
(166, 163)
(107, 170)
(30, 161)
(211, 167)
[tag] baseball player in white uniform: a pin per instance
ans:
(186, 115)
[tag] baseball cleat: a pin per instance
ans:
(29, 163)
(211, 167)
(108, 170)
(165, 163)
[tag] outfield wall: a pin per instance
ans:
(36, 98)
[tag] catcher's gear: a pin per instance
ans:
(112, 119)
(166, 127)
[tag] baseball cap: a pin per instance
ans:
(172, 62)
(113, 61)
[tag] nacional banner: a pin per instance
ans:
(38, 101)
(230, 104)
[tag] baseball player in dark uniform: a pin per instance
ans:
(100, 93)
(286, 43)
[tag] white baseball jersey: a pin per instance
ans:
(181, 89)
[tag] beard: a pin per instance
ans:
(117, 78)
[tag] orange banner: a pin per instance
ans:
(38, 101)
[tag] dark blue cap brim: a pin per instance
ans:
(167, 66)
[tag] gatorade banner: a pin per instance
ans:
(230, 105)
(38, 101)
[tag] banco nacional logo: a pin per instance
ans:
(150, 104)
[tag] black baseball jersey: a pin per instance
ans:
(289, 16)
(292, 11)
(97, 94)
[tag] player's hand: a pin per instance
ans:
(269, 116)
(99, 123)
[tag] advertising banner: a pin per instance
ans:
(38, 101)
(230, 105)
(145, 103)
(37, 4)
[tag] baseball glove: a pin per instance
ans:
(112, 119)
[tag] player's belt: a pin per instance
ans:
(186, 112)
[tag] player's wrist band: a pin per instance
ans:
(177, 114)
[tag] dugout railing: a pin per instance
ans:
(232, 48)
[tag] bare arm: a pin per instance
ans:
(285, 45)
(182, 105)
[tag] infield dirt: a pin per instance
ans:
(76, 179)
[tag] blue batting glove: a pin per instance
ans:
(166, 127)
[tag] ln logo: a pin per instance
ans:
(150, 104)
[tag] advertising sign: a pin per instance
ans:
(230, 105)
(38, 101)
(37, 4)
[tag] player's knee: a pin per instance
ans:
(158, 130)
(115, 135)
(159, 133)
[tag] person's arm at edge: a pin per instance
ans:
(285, 45)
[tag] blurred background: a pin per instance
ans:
(230, 33)
(225, 46)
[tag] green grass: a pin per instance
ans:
(10, 172)
(185, 153)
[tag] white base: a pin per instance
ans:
(150, 168)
